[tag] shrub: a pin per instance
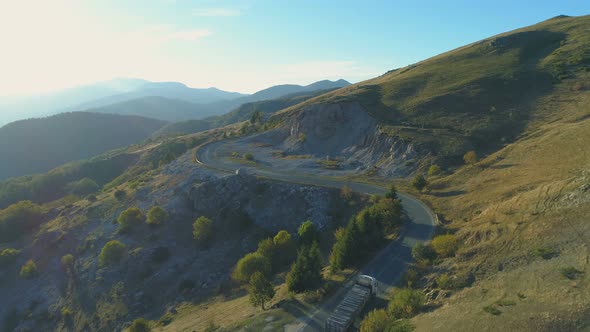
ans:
(111, 253)
(308, 233)
(570, 272)
(18, 219)
(156, 215)
(406, 303)
(375, 321)
(443, 281)
(67, 261)
(8, 256)
(392, 193)
(410, 277)
(434, 170)
(140, 325)
(120, 194)
(29, 270)
(346, 193)
(545, 252)
(470, 158)
(260, 290)
(203, 231)
(419, 182)
(83, 187)
(445, 245)
(130, 218)
(248, 156)
(306, 272)
(492, 310)
(248, 265)
(422, 252)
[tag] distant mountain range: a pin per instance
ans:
(170, 101)
(38, 145)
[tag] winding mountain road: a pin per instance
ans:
(388, 266)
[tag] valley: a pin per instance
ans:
(460, 183)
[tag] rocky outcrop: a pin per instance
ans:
(345, 131)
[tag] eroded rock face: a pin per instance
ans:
(347, 131)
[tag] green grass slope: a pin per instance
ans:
(479, 95)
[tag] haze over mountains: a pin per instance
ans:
(170, 101)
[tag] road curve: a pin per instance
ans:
(388, 266)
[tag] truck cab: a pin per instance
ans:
(367, 281)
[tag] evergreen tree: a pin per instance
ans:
(306, 272)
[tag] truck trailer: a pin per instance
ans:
(353, 303)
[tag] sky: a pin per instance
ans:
(241, 45)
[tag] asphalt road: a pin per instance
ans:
(388, 266)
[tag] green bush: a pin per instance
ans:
(308, 233)
(203, 231)
(83, 187)
(422, 252)
(29, 270)
(260, 290)
(19, 219)
(380, 321)
(67, 261)
(545, 252)
(419, 182)
(392, 193)
(248, 156)
(156, 216)
(443, 281)
(570, 272)
(8, 256)
(250, 264)
(285, 248)
(111, 253)
(406, 303)
(470, 158)
(140, 325)
(130, 218)
(434, 170)
(445, 245)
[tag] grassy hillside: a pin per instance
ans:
(37, 145)
(520, 217)
(480, 95)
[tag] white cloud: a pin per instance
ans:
(217, 12)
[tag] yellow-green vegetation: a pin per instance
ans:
(111, 253)
(156, 216)
(308, 233)
(67, 261)
(140, 325)
(250, 264)
(419, 182)
(306, 272)
(203, 231)
(379, 320)
(130, 218)
(330, 163)
(261, 290)
(434, 170)
(518, 215)
(29, 270)
(8, 256)
(18, 219)
(445, 245)
(470, 157)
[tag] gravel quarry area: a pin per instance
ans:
(326, 140)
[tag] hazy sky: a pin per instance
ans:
(241, 45)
